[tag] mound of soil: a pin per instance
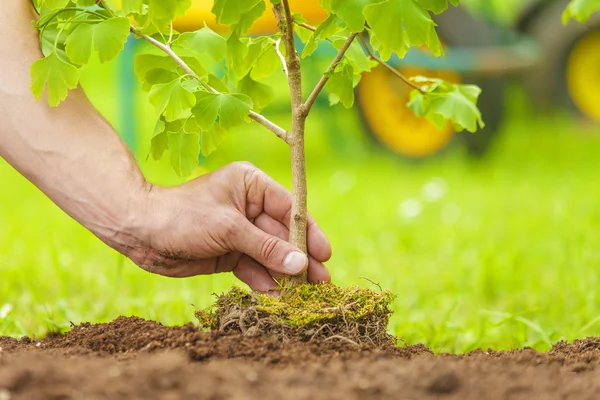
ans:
(131, 358)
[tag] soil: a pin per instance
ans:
(131, 358)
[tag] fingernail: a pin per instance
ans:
(295, 262)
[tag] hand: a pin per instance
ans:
(235, 220)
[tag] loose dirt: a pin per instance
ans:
(131, 358)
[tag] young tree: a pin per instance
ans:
(202, 84)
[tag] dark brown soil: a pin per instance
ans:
(130, 358)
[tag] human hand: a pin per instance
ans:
(235, 219)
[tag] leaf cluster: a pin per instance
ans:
(203, 83)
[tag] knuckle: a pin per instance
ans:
(269, 248)
(243, 166)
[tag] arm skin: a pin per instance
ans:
(235, 219)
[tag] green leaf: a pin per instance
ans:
(445, 101)
(351, 12)
(227, 110)
(262, 57)
(86, 3)
(355, 55)
(184, 147)
(171, 99)
(211, 140)
(55, 4)
(581, 10)
(261, 94)
(160, 140)
(162, 12)
(438, 6)
(341, 85)
(397, 25)
(248, 19)
(129, 7)
(55, 74)
(231, 11)
(108, 38)
(237, 56)
(204, 42)
(152, 69)
(326, 29)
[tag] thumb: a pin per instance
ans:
(272, 252)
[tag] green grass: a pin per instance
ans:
(507, 256)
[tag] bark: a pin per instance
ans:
(296, 136)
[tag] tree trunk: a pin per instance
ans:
(296, 137)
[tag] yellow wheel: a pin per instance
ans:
(200, 13)
(583, 75)
(383, 97)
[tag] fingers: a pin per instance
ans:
(275, 254)
(264, 194)
(255, 276)
(317, 272)
(318, 245)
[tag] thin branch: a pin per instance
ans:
(306, 26)
(281, 57)
(277, 130)
(389, 67)
(315, 93)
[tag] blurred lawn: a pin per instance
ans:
(501, 253)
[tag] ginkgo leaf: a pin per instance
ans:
(162, 12)
(160, 140)
(152, 69)
(227, 110)
(184, 148)
(260, 93)
(444, 101)
(232, 11)
(171, 99)
(204, 42)
(263, 58)
(326, 29)
(247, 19)
(132, 7)
(355, 55)
(108, 38)
(438, 6)
(351, 12)
(581, 10)
(397, 25)
(341, 85)
(211, 140)
(55, 74)
(55, 4)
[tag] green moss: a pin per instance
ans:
(305, 312)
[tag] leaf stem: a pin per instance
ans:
(315, 93)
(277, 130)
(389, 67)
(306, 26)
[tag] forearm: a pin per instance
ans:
(71, 153)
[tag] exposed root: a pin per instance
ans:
(307, 312)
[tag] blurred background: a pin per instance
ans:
(489, 239)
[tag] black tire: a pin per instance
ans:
(546, 84)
